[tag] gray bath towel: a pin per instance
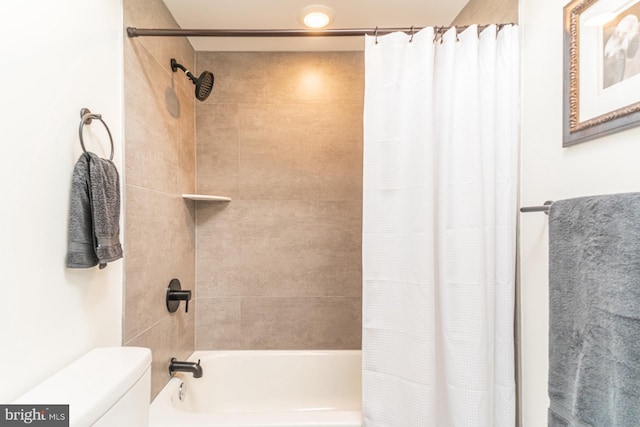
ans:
(94, 215)
(594, 332)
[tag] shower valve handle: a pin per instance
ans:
(175, 294)
(181, 296)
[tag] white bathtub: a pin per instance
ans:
(265, 388)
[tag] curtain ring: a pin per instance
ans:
(411, 39)
(375, 33)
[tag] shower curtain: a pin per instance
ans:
(439, 221)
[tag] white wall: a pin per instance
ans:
(57, 56)
(550, 172)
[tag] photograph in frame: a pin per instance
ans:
(621, 40)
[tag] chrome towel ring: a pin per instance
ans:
(86, 117)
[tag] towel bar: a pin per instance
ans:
(86, 117)
(544, 208)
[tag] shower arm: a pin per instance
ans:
(175, 65)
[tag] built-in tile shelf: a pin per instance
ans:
(206, 198)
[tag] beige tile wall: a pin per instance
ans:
(159, 167)
(279, 267)
(488, 12)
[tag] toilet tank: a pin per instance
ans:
(107, 387)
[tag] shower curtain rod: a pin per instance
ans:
(334, 32)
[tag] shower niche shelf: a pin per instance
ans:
(206, 198)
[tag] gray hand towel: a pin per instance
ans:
(94, 216)
(80, 248)
(594, 332)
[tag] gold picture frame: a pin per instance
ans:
(601, 69)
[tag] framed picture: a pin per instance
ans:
(601, 68)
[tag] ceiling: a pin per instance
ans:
(283, 14)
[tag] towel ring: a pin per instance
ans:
(86, 117)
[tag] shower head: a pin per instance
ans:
(204, 83)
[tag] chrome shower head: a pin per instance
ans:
(204, 83)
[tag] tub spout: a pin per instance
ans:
(178, 366)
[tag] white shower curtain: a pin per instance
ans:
(439, 223)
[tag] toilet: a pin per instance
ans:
(107, 387)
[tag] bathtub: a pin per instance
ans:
(264, 388)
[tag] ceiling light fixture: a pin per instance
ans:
(316, 16)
